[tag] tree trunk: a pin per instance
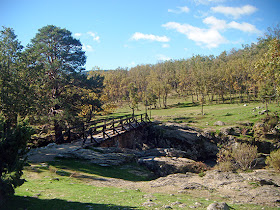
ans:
(58, 132)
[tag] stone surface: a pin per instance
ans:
(194, 143)
(218, 206)
(219, 123)
(163, 166)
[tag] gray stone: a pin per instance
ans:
(102, 159)
(219, 123)
(218, 206)
(186, 141)
(163, 166)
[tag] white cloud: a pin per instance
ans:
(222, 25)
(87, 48)
(179, 10)
(137, 36)
(209, 37)
(165, 45)
(77, 34)
(245, 27)
(215, 23)
(162, 57)
(94, 36)
(235, 12)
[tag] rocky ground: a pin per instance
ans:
(257, 187)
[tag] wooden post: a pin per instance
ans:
(113, 126)
(104, 128)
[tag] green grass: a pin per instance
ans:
(71, 188)
(130, 172)
(186, 112)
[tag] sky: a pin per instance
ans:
(126, 33)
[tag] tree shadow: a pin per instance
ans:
(31, 203)
(183, 105)
(184, 120)
(129, 172)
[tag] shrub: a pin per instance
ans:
(240, 156)
(13, 140)
(225, 160)
(244, 155)
(274, 160)
(225, 166)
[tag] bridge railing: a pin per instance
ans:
(102, 126)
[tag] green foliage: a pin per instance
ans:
(16, 93)
(274, 160)
(13, 140)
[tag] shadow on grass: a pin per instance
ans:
(30, 203)
(184, 120)
(183, 105)
(129, 172)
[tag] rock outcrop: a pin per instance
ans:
(163, 166)
(195, 144)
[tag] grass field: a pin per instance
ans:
(185, 112)
(66, 185)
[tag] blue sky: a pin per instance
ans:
(125, 33)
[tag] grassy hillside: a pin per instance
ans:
(72, 185)
(180, 111)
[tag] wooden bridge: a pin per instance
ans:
(98, 131)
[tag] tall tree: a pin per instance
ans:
(14, 77)
(14, 101)
(62, 60)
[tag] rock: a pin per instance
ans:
(218, 206)
(163, 166)
(235, 131)
(219, 123)
(194, 143)
(162, 152)
(263, 112)
(176, 203)
(102, 159)
(194, 186)
(149, 204)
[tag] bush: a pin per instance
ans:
(240, 156)
(274, 160)
(225, 160)
(244, 155)
(13, 140)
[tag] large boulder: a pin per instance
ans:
(99, 158)
(194, 143)
(218, 206)
(163, 166)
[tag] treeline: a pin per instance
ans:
(250, 73)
